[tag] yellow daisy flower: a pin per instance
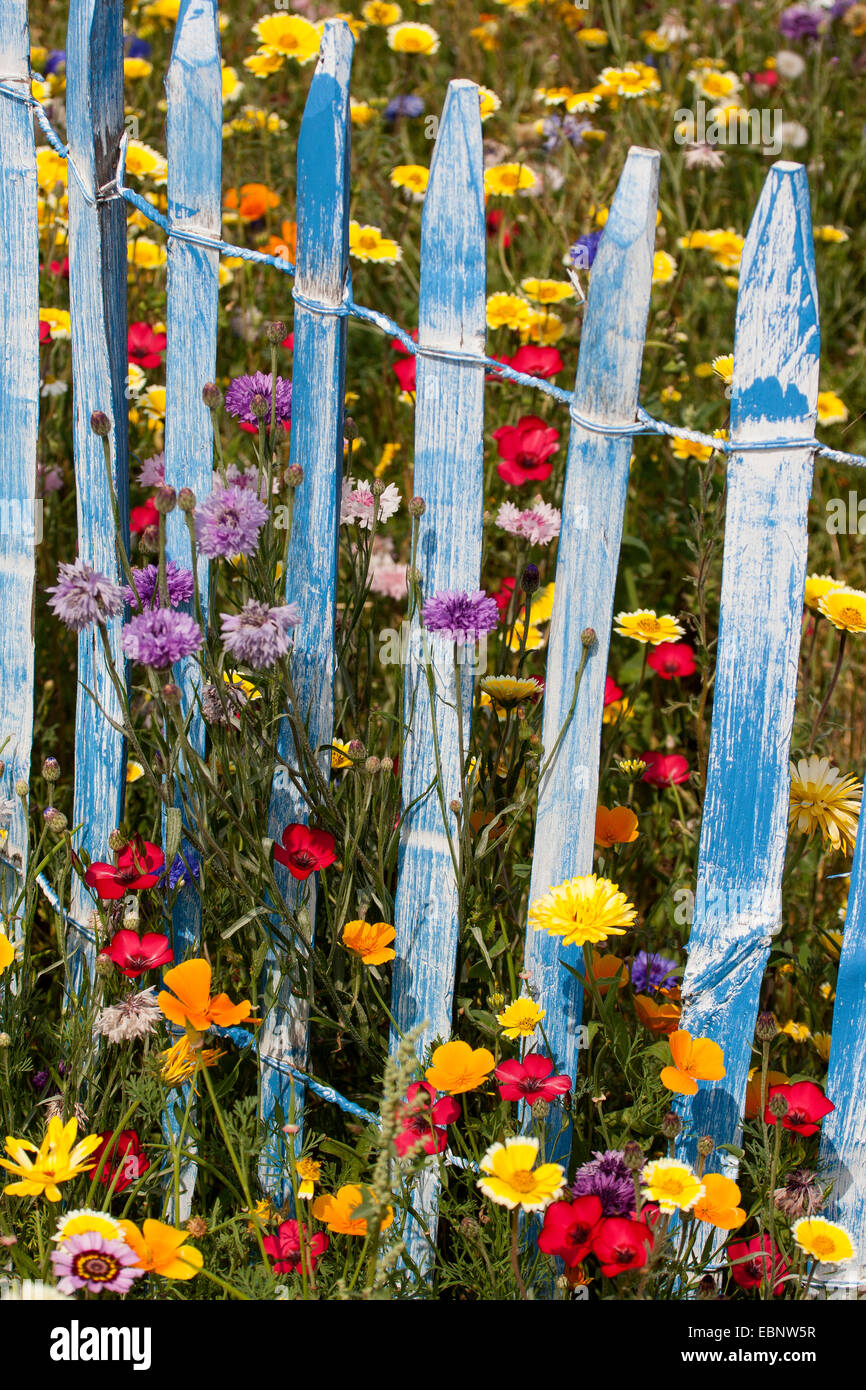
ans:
(368, 244)
(413, 177)
(361, 113)
(823, 1240)
(57, 1159)
(547, 291)
(504, 180)
(288, 36)
(687, 449)
(645, 626)
(664, 268)
(413, 38)
(583, 909)
(84, 1219)
(672, 1184)
(583, 102)
(511, 1181)
(633, 81)
(504, 692)
(381, 14)
(145, 162)
(508, 311)
(831, 234)
(146, 253)
(724, 367)
(592, 38)
(817, 585)
(521, 1018)
(845, 608)
(832, 410)
(134, 68)
(490, 102)
(823, 799)
(715, 85)
(265, 62)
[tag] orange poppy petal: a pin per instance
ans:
(708, 1060)
(225, 1014)
(681, 1047)
(181, 1014)
(678, 1081)
(190, 981)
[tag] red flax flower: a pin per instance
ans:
(304, 851)
(285, 1248)
(138, 866)
(612, 691)
(142, 517)
(751, 1261)
(807, 1106)
(145, 347)
(535, 361)
(133, 954)
(122, 1150)
(525, 449)
(620, 1244)
(423, 1118)
(665, 769)
(671, 659)
(404, 370)
(569, 1229)
(530, 1079)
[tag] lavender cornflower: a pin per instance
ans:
(159, 637)
(152, 471)
(146, 593)
(99, 1264)
(135, 1017)
(608, 1178)
(405, 105)
(462, 618)
(797, 22)
(229, 521)
(83, 596)
(556, 129)
(651, 971)
(258, 635)
(241, 391)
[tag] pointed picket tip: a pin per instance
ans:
(776, 370)
(323, 168)
(196, 35)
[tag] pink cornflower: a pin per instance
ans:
(539, 524)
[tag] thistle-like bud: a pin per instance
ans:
(186, 499)
(212, 395)
(416, 506)
(530, 579)
(778, 1106)
(633, 1156)
(766, 1028)
(356, 750)
(100, 423)
(671, 1125)
(705, 1145)
(165, 500)
(589, 637)
(117, 841)
(455, 806)
(413, 574)
(104, 966)
(276, 332)
(171, 693)
(21, 788)
(6, 1041)
(470, 1228)
(350, 429)
(51, 770)
(259, 406)
(148, 540)
(55, 820)
(372, 765)
(386, 765)
(294, 475)
(539, 1109)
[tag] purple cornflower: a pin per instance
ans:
(180, 586)
(55, 60)
(797, 22)
(159, 637)
(462, 618)
(96, 1263)
(229, 521)
(83, 596)
(40, 1079)
(651, 971)
(178, 873)
(258, 635)
(408, 105)
(558, 128)
(243, 388)
(152, 471)
(606, 1177)
(583, 252)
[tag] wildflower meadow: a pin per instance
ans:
(432, 750)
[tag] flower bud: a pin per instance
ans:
(386, 765)
(171, 693)
(372, 765)
(356, 750)
(778, 1106)
(104, 966)
(6, 1041)
(277, 331)
(259, 406)
(416, 506)
(291, 1129)
(21, 788)
(589, 637)
(539, 1109)
(705, 1145)
(470, 1228)
(766, 1028)
(294, 475)
(413, 574)
(117, 841)
(55, 820)
(633, 1156)
(100, 423)
(377, 487)
(212, 395)
(671, 1125)
(165, 500)
(51, 770)
(529, 580)
(350, 429)
(455, 806)
(148, 540)
(186, 499)
(197, 1226)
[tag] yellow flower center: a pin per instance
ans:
(523, 1180)
(850, 615)
(649, 625)
(823, 1245)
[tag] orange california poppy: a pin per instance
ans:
(285, 245)
(457, 1067)
(254, 201)
(605, 970)
(162, 1250)
(335, 1210)
(658, 1018)
(617, 826)
(695, 1059)
(193, 1005)
(753, 1089)
(719, 1204)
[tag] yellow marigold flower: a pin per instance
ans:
(724, 367)
(583, 910)
(361, 113)
(720, 1203)
(413, 177)
(823, 1240)
(832, 410)
(179, 1061)
(265, 62)
(134, 771)
(715, 85)
(633, 81)
(59, 321)
(664, 268)
(490, 102)
(544, 327)
(592, 38)
(504, 180)
(798, 1031)
(75, 1223)
(336, 1212)
(547, 291)
(822, 799)
(163, 1250)
(687, 449)
(145, 253)
(726, 248)
(521, 1018)
(456, 1067)
(672, 1184)
(821, 1044)
(845, 608)
(369, 940)
(817, 585)
(57, 1159)
(134, 68)
(288, 35)
(670, 395)
(382, 14)
(413, 38)
(504, 692)
(7, 952)
(51, 169)
(553, 96)
(655, 42)
(508, 311)
(145, 162)
(583, 102)
(309, 1171)
(832, 234)
(645, 626)
(368, 244)
(511, 1181)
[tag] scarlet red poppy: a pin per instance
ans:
(138, 866)
(142, 517)
(285, 1248)
(620, 1244)
(535, 361)
(144, 346)
(530, 1079)
(665, 769)
(133, 954)
(494, 222)
(502, 597)
(754, 1260)
(60, 268)
(670, 659)
(611, 691)
(807, 1106)
(124, 1157)
(404, 370)
(304, 851)
(423, 1118)
(289, 342)
(524, 449)
(569, 1229)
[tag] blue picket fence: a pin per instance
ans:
(770, 460)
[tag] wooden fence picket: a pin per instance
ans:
(449, 453)
(311, 575)
(20, 516)
(744, 831)
(97, 296)
(194, 146)
(593, 507)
